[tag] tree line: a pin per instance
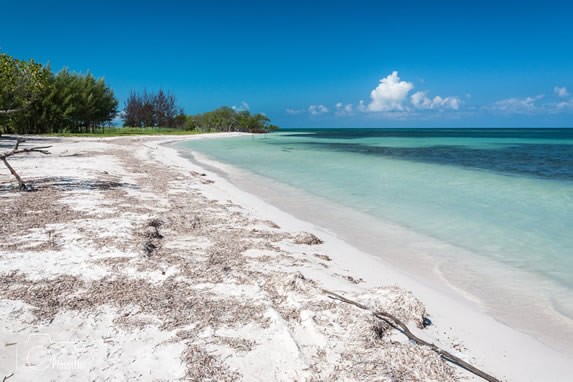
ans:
(160, 109)
(34, 100)
(229, 119)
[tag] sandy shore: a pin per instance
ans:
(131, 262)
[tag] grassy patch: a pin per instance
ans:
(122, 131)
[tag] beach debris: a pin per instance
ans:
(322, 257)
(298, 282)
(307, 238)
(201, 175)
(52, 238)
(238, 344)
(270, 223)
(349, 278)
(201, 364)
(401, 303)
(149, 248)
(17, 150)
(195, 222)
(155, 224)
(353, 280)
(380, 328)
(154, 237)
(397, 324)
(426, 322)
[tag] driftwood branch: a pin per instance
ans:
(17, 150)
(401, 327)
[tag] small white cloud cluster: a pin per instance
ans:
(317, 109)
(390, 97)
(421, 101)
(342, 109)
(516, 105)
(530, 105)
(561, 91)
(295, 111)
(565, 105)
(242, 107)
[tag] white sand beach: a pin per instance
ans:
(131, 262)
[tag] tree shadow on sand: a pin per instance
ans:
(70, 184)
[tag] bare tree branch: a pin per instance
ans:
(401, 327)
(9, 111)
(17, 150)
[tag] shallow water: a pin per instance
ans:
(504, 196)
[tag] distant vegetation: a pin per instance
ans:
(34, 100)
(153, 110)
(161, 110)
(228, 119)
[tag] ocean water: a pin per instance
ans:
(501, 196)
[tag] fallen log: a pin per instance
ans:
(402, 328)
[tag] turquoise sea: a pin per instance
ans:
(502, 196)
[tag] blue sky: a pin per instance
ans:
(384, 63)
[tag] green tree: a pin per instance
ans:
(228, 119)
(22, 85)
(34, 100)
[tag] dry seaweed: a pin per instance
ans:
(204, 245)
(307, 238)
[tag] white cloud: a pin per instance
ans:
(565, 105)
(390, 100)
(242, 107)
(390, 94)
(517, 105)
(561, 91)
(530, 105)
(342, 109)
(421, 101)
(295, 111)
(317, 109)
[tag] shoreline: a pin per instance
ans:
(443, 266)
(458, 326)
(442, 297)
